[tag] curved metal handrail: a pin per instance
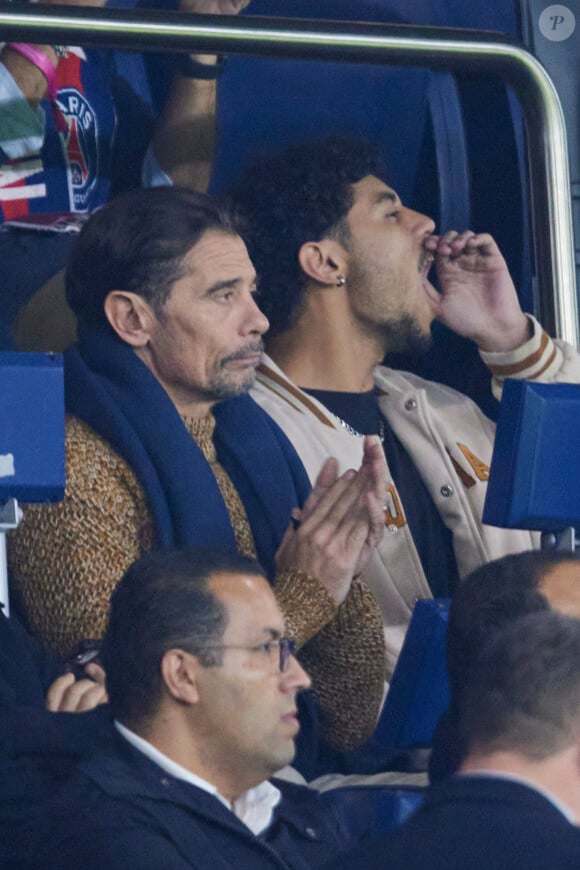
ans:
(437, 48)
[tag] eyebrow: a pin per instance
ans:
(271, 633)
(230, 283)
(386, 196)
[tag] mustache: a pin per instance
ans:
(243, 352)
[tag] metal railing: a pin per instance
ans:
(401, 45)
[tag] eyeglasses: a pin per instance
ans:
(286, 648)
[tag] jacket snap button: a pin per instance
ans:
(165, 781)
(411, 404)
(447, 490)
(310, 833)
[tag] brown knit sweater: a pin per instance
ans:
(65, 560)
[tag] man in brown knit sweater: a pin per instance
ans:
(164, 293)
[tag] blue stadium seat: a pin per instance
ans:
(535, 467)
(419, 690)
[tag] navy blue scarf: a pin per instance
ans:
(110, 389)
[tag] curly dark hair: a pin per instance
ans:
(300, 195)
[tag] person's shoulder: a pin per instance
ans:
(397, 384)
(106, 787)
(91, 462)
(84, 445)
(80, 436)
(475, 823)
(402, 380)
(95, 822)
(308, 811)
(498, 816)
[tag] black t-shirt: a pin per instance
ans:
(433, 540)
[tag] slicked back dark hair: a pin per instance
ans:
(523, 694)
(137, 243)
(163, 602)
(301, 195)
(491, 597)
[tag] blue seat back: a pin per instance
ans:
(535, 468)
(31, 427)
(419, 690)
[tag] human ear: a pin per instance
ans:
(324, 261)
(179, 674)
(130, 316)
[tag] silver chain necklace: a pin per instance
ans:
(352, 431)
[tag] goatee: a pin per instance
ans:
(406, 336)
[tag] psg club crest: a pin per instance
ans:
(80, 143)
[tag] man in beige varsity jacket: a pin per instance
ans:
(343, 267)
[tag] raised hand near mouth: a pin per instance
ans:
(478, 297)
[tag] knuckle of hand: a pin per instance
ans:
(318, 538)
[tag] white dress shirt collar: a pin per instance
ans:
(254, 807)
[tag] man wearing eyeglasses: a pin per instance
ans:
(202, 685)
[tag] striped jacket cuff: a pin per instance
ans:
(537, 359)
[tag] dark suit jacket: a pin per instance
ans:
(26, 669)
(122, 810)
(447, 750)
(475, 823)
(37, 749)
